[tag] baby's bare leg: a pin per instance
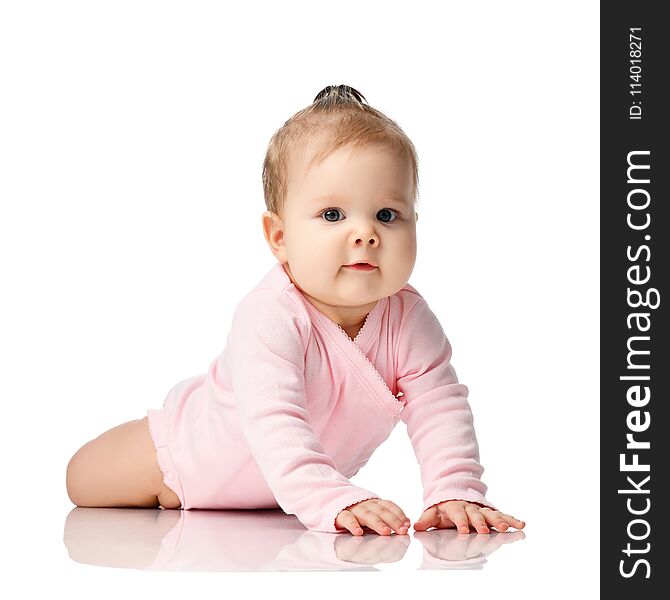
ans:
(119, 468)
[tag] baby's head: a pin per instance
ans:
(340, 182)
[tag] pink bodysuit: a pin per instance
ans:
(293, 407)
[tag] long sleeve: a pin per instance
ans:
(437, 413)
(266, 347)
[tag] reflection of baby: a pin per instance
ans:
(325, 355)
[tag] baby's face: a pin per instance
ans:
(354, 206)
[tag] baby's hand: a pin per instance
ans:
(460, 514)
(379, 515)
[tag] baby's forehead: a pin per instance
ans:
(306, 154)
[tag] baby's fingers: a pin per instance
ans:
(501, 521)
(370, 518)
(347, 520)
(394, 508)
(456, 512)
(429, 518)
(510, 520)
(476, 518)
(393, 515)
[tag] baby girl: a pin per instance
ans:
(324, 356)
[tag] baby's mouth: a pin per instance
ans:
(360, 267)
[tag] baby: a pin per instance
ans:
(324, 356)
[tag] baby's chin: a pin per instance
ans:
(348, 290)
(352, 298)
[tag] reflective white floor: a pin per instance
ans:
(259, 540)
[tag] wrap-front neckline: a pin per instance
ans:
(352, 351)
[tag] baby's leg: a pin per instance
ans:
(119, 468)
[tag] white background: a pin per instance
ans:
(132, 136)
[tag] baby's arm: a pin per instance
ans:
(438, 416)
(266, 349)
(440, 426)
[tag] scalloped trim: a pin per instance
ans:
(367, 317)
(367, 359)
(399, 404)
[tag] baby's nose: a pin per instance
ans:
(372, 240)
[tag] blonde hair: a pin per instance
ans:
(346, 118)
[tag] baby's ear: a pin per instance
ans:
(273, 230)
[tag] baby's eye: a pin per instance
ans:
(384, 213)
(331, 211)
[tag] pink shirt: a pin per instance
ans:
(293, 407)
